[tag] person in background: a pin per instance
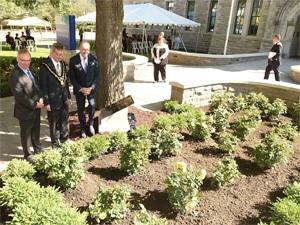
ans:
(177, 42)
(274, 58)
(159, 53)
(55, 90)
(23, 40)
(27, 31)
(84, 75)
(81, 34)
(10, 40)
(17, 37)
(28, 103)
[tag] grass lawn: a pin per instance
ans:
(40, 52)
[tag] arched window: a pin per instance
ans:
(255, 17)
(240, 17)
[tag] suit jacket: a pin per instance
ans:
(54, 87)
(26, 94)
(276, 59)
(80, 78)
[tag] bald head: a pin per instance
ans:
(84, 49)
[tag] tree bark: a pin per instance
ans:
(109, 25)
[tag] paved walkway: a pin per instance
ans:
(145, 93)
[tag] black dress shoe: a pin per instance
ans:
(29, 158)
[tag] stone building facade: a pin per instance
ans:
(251, 27)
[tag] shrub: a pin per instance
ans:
(221, 99)
(225, 172)
(274, 110)
(293, 192)
(238, 103)
(19, 168)
(165, 143)
(110, 203)
(201, 126)
(141, 132)
(32, 204)
(175, 107)
(17, 190)
(227, 142)
(285, 211)
(60, 166)
(183, 187)
(117, 140)
(40, 211)
(135, 155)
(286, 131)
(258, 100)
(145, 218)
(94, 146)
(271, 150)
(296, 114)
(246, 123)
(175, 122)
(221, 118)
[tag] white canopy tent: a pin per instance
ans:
(145, 14)
(27, 21)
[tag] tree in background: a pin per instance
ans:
(109, 24)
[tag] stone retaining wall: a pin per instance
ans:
(134, 67)
(295, 73)
(201, 95)
(197, 59)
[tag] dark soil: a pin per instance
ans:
(243, 203)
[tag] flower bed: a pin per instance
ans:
(238, 188)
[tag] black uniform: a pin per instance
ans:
(56, 93)
(274, 62)
(163, 56)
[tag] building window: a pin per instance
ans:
(170, 5)
(212, 15)
(255, 17)
(190, 10)
(239, 19)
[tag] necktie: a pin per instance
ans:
(29, 74)
(85, 64)
(58, 68)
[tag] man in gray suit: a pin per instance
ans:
(28, 103)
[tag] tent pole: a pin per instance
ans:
(197, 39)
(228, 27)
(182, 41)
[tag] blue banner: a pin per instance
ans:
(65, 31)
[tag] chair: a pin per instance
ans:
(146, 46)
(135, 48)
(150, 44)
(18, 44)
(31, 45)
(141, 47)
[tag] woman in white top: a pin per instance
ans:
(159, 53)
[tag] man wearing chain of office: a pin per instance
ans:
(55, 90)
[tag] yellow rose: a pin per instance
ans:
(181, 166)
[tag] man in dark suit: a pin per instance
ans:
(28, 103)
(55, 89)
(84, 75)
(274, 59)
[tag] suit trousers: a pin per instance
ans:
(30, 131)
(80, 101)
(274, 67)
(159, 68)
(59, 124)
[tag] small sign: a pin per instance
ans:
(65, 31)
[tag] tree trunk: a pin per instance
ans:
(109, 25)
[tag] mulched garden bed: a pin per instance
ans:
(243, 203)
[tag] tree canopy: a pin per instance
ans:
(44, 9)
